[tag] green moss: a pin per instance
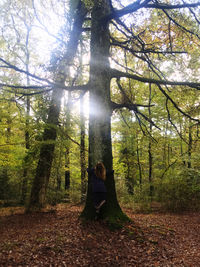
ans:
(114, 218)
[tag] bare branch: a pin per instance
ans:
(170, 120)
(130, 106)
(178, 6)
(174, 104)
(43, 27)
(11, 66)
(124, 119)
(13, 144)
(126, 10)
(34, 93)
(194, 15)
(30, 87)
(84, 87)
(117, 74)
(179, 25)
(137, 5)
(143, 51)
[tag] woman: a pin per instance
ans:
(98, 176)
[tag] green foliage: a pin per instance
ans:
(88, 3)
(54, 196)
(179, 192)
(4, 184)
(175, 186)
(140, 201)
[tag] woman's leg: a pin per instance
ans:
(99, 200)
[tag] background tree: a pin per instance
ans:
(132, 47)
(37, 199)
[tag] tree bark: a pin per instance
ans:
(100, 145)
(190, 142)
(67, 151)
(150, 146)
(40, 183)
(26, 159)
(27, 134)
(82, 152)
(139, 164)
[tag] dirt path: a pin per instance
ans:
(61, 239)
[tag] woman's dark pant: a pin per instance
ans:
(98, 197)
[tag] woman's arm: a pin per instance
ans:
(90, 170)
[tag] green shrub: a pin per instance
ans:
(55, 196)
(181, 192)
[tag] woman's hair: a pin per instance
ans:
(100, 171)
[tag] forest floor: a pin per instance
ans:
(60, 238)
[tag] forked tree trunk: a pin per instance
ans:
(100, 145)
(41, 180)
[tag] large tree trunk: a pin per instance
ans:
(100, 146)
(40, 183)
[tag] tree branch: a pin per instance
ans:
(179, 25)
(178, 6)
(118, 74)
(137, 5)
(30, 87)
(126, 10)
(170, 120)
(11, 66)
(143, 51)
(129, 106)
(84, 87)
(174, 104)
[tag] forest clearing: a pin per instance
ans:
(60, 238)
(100, 105)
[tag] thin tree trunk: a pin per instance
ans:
(139, 164)
(129, 182)
(165, 147)
(67, 174)
(67, 151)
(58, 167)
(27, 134)
(5, 191)
(100, 145)
(40, 183)
(190, 141)
(181, 144)
(82, 152)
(83, 134)
(26, 159)
(150, 146)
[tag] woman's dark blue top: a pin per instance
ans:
(97, 183)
